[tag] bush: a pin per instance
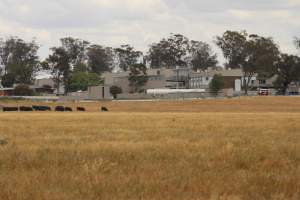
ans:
(115, 90)
(216, 84)
(8, 80)
(81, 81)
(23, 90)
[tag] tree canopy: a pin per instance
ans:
(251, 53)
(82, 80)
(18, 60)
(100, 59)
(288, 71)
(137, 77)
(127, 56)
(178, 50)
(58, 64)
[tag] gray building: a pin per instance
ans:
(48, 82)
(101, 92)
(157, 78)
(179, 78)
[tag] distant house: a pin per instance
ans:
(157, 78)
(101, 92)
(43, 90)
(47, 85)
(294, 88)
(179, 78)
(202, 79)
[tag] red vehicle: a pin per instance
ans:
(263, 92)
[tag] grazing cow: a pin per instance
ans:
(41, 108)
(104, 109)
(10, 109)
(25, 109)
(80, 109)
(59, 108)
(68, 109)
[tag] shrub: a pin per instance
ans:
(216, 84)
(23, 90)
(8, 80)
(115, 90)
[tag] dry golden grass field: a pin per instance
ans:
(237, 149)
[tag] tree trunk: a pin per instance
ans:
(247, 82)
(57, 88)
(245, 86)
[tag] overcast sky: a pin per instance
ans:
(142, 22)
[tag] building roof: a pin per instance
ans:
(6, 89)
(223, 72)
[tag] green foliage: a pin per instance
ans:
(19, 59)
(80, 67)
(251, 53)
(23, 90)
(127, 56)
(178, 50)
(75, 48)
(288, 70)
(81, 81)
(137, 77)
(58, 63)
(216, 84)
(115, 90)
(169, 52)
(8, 80)
(100, 59)
(202, 56)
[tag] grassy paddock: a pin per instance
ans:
(190, 150)
(237, 105)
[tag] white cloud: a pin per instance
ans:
(141, 22)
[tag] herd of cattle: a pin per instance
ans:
(45, 108)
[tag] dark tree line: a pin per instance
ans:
(251, 53)
(178, 50)
(77, 63)
(18, 60)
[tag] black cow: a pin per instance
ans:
(25, 109)
(59, 108)
(41, 108)
(104, 109)
(68, 109)
(10, 109)
(80, 109)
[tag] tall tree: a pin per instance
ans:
(127, 56)
(251, 53)
(178, 50)
(233, 44)
(201, 56)
(58, 63)
(169, 53)
(137, 77)
(100, 59)
(288, 70)
(19, 59)
(76, 49)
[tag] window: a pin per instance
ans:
(262, 82)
